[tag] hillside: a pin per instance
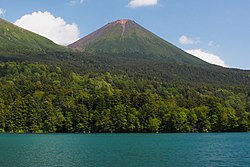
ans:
(129, 39)
(123, 46)
(121, 78)
(37, 98)
(120, 47)
(17, 41)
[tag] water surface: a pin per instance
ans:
(124, 150)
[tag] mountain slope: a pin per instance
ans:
(123, 46)
(122, 79)
(15, 40)
(127, 38)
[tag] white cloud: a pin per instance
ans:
(213, 44)
(75, 2)
(2, 11)
(188, 40)
(47, 25)
(140, 3)
(208, 57)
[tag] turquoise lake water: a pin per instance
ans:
(125, 150)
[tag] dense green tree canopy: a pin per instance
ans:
(41, 98)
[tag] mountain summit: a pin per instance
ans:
(127, 38)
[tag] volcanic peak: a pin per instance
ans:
(121, 21)
(124, 21)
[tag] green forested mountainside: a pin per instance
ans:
(123, 46)
(83, 63)
(127, 38)
(148, 62)
(41, 98)
(173, 72)
(17, 41)
(126, 85)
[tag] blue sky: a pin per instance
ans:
(216, 30)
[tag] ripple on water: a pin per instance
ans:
(123, 150)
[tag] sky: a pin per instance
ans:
(217, 31)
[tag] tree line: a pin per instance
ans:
(38, 98)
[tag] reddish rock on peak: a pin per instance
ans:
(122, 21)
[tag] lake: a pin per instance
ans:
(124, 150)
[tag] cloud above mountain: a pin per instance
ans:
(2, 11)
(75, 2)
(142, 3)
(208, 57)
(185, 40)
(49, 26)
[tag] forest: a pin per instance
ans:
(38, 98)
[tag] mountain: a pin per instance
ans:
(121, 78)
(123, 46)
(126, 37)
(18, 41)
(120, 47)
